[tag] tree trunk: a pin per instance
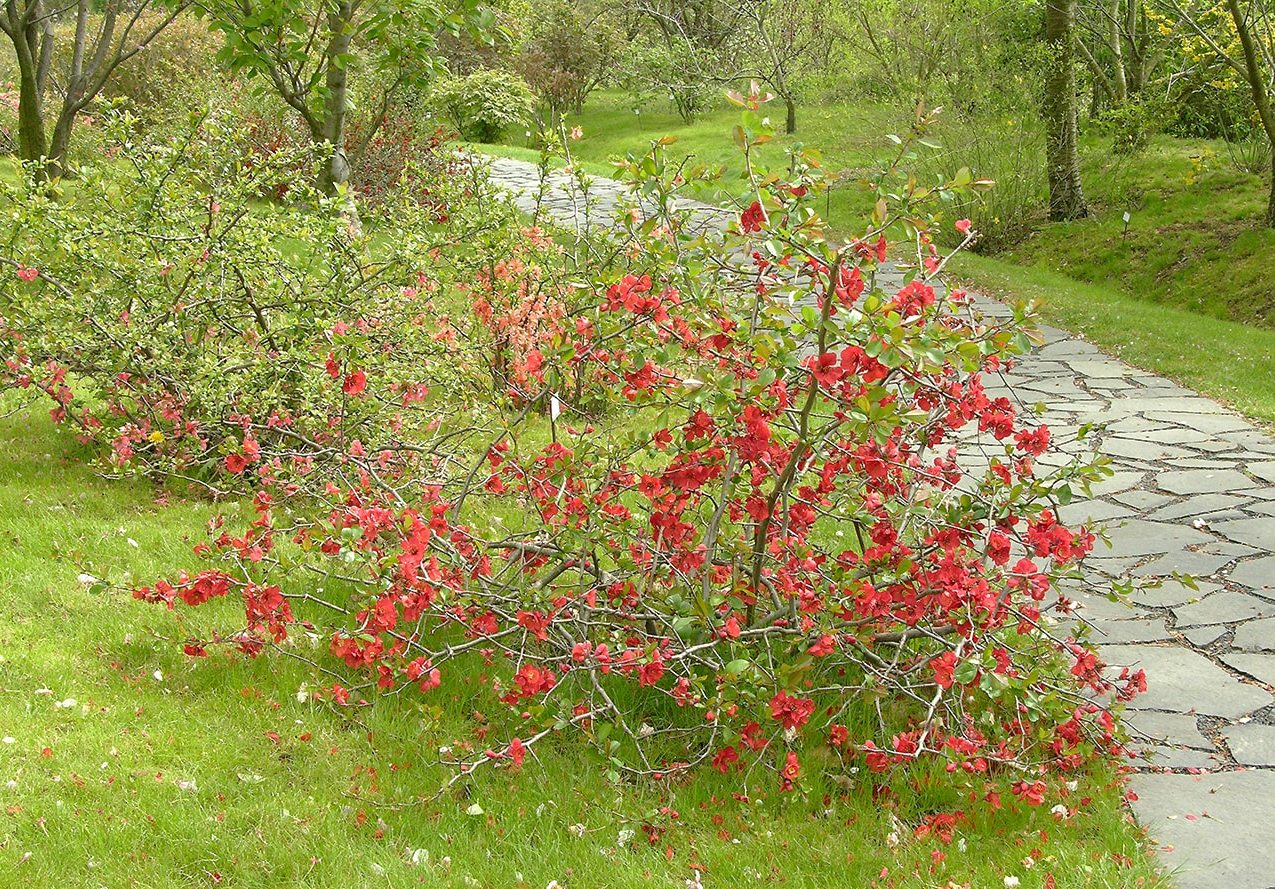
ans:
(1116, 44)
(1062, 154)
(1257, 85)
(790, 123)
(60, 144)
(335, 175)
(31, 135)
(30, 117)
(336, 172)
(1270, 204)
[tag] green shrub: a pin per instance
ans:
(1011, 152)
(1132, 124)
(567, 54)
(485, 104)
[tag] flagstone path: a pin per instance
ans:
(1193, 493)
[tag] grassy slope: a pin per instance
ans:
(97, 792)
(1187, 292)
(1195, 238)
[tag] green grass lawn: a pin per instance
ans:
(848, 139)
(125, 763)
(1194, 240)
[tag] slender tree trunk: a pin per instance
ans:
(1116, 44)
(790, 123)
(1062, 154)
(27, 52)
(1270, 204)
(335, 175)
(337, 172)
(1261, 96)
(60, 143)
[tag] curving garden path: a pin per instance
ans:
(1193, 493)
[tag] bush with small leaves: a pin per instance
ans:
(793, 527)
(484, 104)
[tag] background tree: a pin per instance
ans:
(98, 45)
(1066, 197)
(1241, 36)
(1121, 46)
(784, 39)
(308, 51)
(570, 48)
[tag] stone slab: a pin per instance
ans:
(1185, 681)
(1256, 574)
(1231, 812)
(1252, 744)
(1260, 666)
(1256, 635)
(1223, 607)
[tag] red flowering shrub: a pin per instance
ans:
(766, 532)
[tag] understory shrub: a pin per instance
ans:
(757, 549)
(567, 53)
(176, 74)
(485, 104)
(1009, 151)
(1132, 124)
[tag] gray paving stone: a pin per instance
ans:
(1256, 635)
(1119, 481)
(1204, 481)
(1260, 666)
(1185, 681)
(1223, 607)
(1256, 574)
(1143, 500)
(1213, 423)
(1199, 505)
(1252, 744)
(1164, 756)
(1170, 593)
(1173, 433)
(1176, 729)
(1112, 632)
(1139, 537)
(1141, 450)
(1203, 637)
(1079, 511)
(1265, 471)
(1203, 462)
(1202, 561)
(1230, 812)
(1258, 532)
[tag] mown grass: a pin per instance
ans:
(850, 141)
(124, 763)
